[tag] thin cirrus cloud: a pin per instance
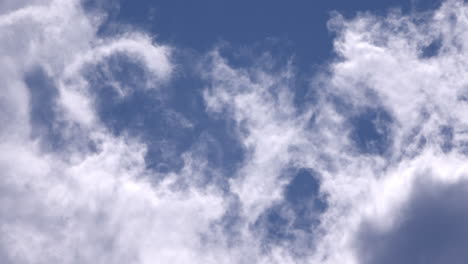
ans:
(102, 164)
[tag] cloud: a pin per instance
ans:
(387, 110)
(429, 228)
(383, 65)
(87, 200)
(375, 160)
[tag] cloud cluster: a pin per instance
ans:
(389, 110)
(72, 192)
(371, 170)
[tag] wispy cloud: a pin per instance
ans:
(380, 151)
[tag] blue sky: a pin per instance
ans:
(233, 131)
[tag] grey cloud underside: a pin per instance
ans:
(429, 228)
(115, 150)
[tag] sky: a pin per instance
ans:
(233, 132)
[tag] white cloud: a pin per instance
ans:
(94, 206)
(381, 65)
(382, 56)
(97, 205)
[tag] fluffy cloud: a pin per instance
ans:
(384, 64)
(359, 175)
(86, 200)
(389, 109)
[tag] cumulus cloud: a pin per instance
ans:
(85, 201)
(384, 65)
(390, 107)
(429, 228)
(358, 175)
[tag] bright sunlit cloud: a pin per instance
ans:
(119, 147)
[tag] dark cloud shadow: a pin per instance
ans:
(431, 228)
